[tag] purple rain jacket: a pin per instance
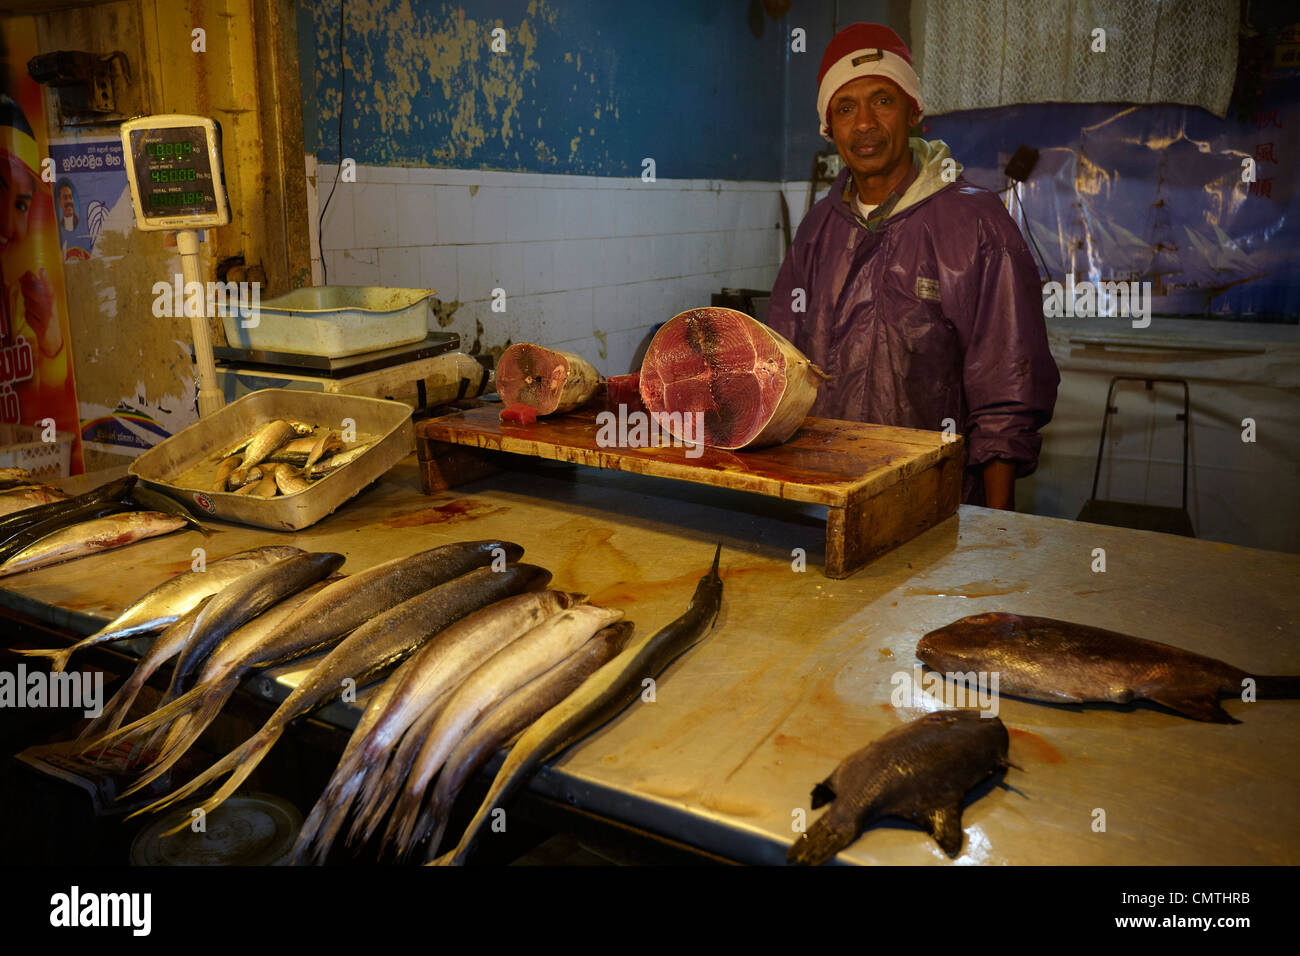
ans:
(931, 309)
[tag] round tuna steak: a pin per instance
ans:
(547, 380)
(751, 385)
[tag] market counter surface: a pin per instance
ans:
(802, 670)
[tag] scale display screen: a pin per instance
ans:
(174, 165)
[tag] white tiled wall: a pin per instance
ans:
(588, 264)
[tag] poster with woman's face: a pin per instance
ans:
(36, 375)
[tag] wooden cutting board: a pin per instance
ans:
(881, 485)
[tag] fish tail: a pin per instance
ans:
(401, 822)
(106, 725)
(184, 732)
(1286, 686)
(58, 655)
(822, 841)
(381, 789)
(239, 763)
(434, 822)
(333, 823)
(328, 814)
(118, 710)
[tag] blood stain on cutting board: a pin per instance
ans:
(1033, 747)
(462, 509)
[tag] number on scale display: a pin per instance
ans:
(179, 173)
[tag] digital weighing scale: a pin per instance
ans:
(173, 165)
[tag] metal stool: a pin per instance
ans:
(1143, 517)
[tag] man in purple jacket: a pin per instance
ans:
(911, 287)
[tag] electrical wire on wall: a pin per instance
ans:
(338, 166)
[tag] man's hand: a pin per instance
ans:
(38, 303)
(1000, 484)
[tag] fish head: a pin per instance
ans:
(967, 641)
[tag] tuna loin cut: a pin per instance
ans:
(752, 385)
(545, 379)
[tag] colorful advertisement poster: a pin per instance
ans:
(91, 178)
(36, 376)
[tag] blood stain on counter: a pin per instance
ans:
(629, 592)
(462, 509)
(1034, 746)
(975, 589)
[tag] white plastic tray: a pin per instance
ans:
(333, 320)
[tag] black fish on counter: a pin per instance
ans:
(920, 772)
(1064, 663)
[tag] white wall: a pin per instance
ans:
(588, 264)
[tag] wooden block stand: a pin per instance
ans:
(881, 485)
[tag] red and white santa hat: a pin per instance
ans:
(864, 49)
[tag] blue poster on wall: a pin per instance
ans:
(90, 179)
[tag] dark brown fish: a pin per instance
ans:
(920, 772)
(1064, 663)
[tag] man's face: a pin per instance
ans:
(16, 190)
(870, 117)
(66, 204)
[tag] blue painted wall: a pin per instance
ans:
(821, 20)
(585, 86)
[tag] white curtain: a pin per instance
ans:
(975, 54)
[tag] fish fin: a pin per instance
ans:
(1196, 706)
(825, 838)
(1271, 686)
(447, 859)
(822, 794)
(944, 824)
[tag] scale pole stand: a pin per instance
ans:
(210, 397)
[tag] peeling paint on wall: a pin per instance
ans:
(583, 86)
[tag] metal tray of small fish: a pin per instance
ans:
(185, 466)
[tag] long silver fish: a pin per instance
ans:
(241, 601)
(600, 698)
(510, 668)
(363, 596)
(364, 656)
(161, 606)
(424, 678)
(20, 499)
(495, 728)
(186, 717)
(165, 646)
(92, 537)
